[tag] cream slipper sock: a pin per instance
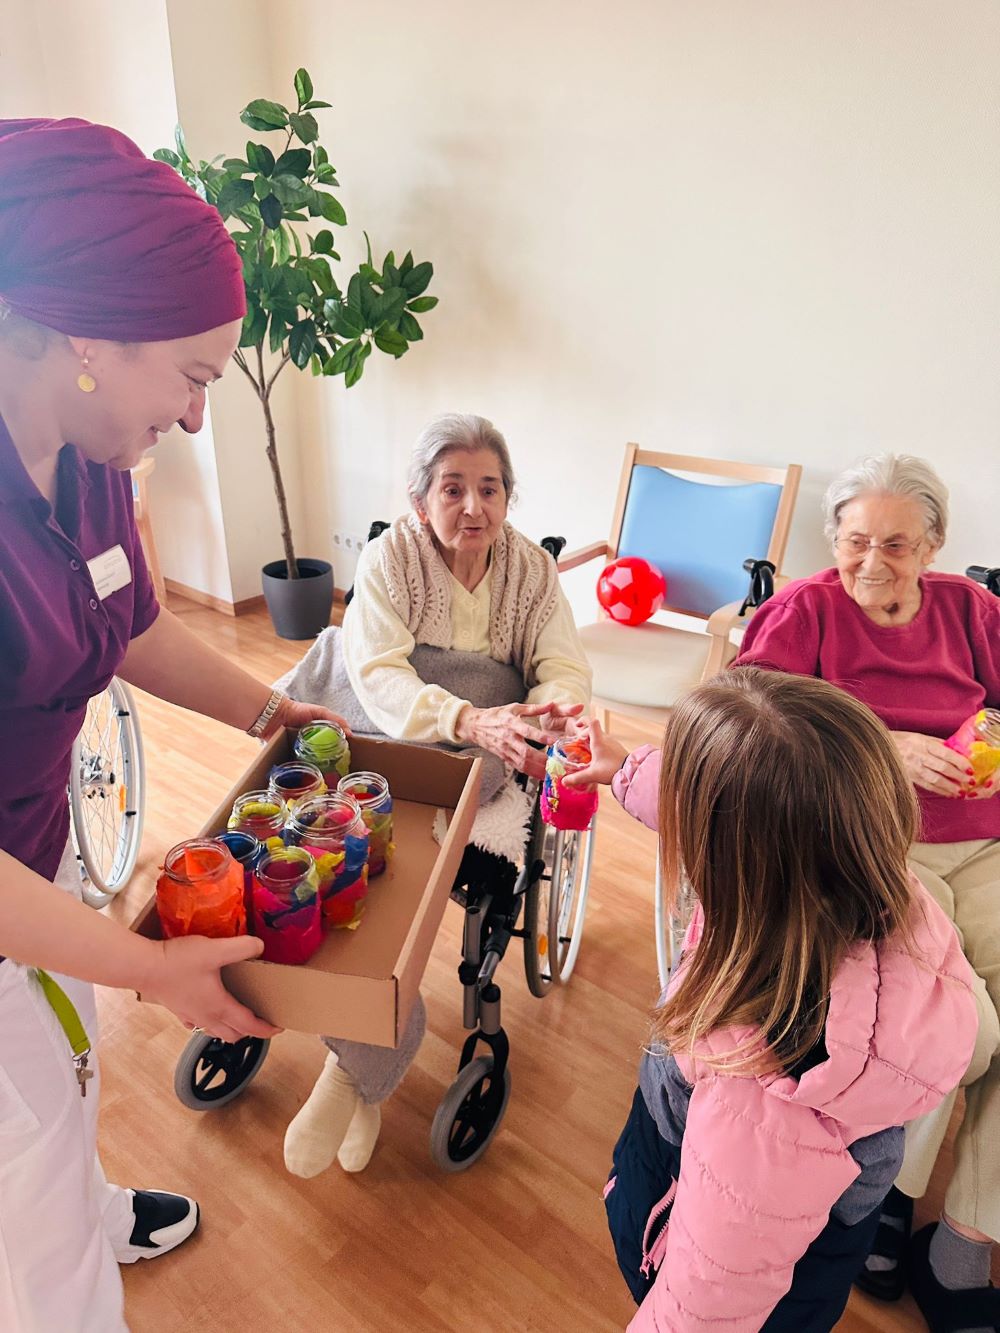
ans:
(361, 1137)
(314, 1137)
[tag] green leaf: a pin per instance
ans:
(165, 155)
(341, 358)
(326, 175)
(387, 307)
(271, 211)
(279, 331)
(332, 209)
(417, 279)
(254, 327)
(370, 273)
(301, 342)
(260, 158)
(407, 263)
(354, 294)
(233, 195)
(422, 304)
(290, 190)
(320, 156)
(354, 373)
(388, 340)
(305, 126)
(322, 242)
(272, 115)
(293, 162)
(235, 166)
(312, 106)
(303, 86)
(409, 328)
(181, 143)
(316, 364)
(282, 245)
(348, 323)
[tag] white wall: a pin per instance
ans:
(222, 60)
(765, 232)
(759, 231)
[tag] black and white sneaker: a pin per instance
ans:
(162, 1222)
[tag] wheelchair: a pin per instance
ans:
(107, 790)
(542, 902)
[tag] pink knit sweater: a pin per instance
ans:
(927, 676)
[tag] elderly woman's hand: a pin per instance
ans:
(505, 732)
(932, 765)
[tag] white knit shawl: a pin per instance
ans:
(523, 590)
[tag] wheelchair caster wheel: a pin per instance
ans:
(469, 1115)
(211, 1072)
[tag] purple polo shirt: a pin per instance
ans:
(60, 643)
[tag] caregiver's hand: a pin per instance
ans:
(293, 715)
(506, 732)
(184, 977)
(930, 764)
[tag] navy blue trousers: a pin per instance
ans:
(645, 1163)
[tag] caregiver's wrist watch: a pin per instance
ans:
(266, 714)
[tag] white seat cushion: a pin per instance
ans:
(647, 665)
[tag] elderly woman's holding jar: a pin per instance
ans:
(922, 649)
(454, 575)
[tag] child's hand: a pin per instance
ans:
(606, 757)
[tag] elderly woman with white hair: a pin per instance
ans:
(451, 575)
(922, 650)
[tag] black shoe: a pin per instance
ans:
(162, 1222)
(948, 1311)
(888, 1284)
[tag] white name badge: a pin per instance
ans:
(110, 571)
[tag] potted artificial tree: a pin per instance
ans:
(297, 313)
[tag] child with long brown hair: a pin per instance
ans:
(821, 1001)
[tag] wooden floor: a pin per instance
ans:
(518, 1242)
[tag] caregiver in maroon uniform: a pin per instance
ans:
(120, 299)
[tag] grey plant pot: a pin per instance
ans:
(300, 607)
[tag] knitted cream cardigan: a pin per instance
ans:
(523, 589)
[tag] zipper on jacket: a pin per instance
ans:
(654, 1238)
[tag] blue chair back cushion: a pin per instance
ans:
(698, 534)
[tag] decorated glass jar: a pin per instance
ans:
(286, 905)
(978, 738)
(200, 891)
(371, 791)
(324, 744)
(567, 807)
(259, 813)
(332, 829)
(295, 781)
(245, 849)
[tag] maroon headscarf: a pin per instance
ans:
(99, 241)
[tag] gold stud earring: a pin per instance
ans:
(85, 382)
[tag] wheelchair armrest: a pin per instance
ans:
(582, 556)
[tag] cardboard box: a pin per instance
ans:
(361, 984)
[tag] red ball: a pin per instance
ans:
(631, 590)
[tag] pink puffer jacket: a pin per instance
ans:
(765, 1158)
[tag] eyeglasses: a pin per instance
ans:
(860, 546)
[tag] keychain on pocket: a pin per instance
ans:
(69, 1020)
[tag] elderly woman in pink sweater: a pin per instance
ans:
(922, 650)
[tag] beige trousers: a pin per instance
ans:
(964, 877)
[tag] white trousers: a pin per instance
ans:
(60, 1221)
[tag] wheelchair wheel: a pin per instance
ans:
(469, 1115)
(555, 905)
(107, 793)
(211, 1072)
